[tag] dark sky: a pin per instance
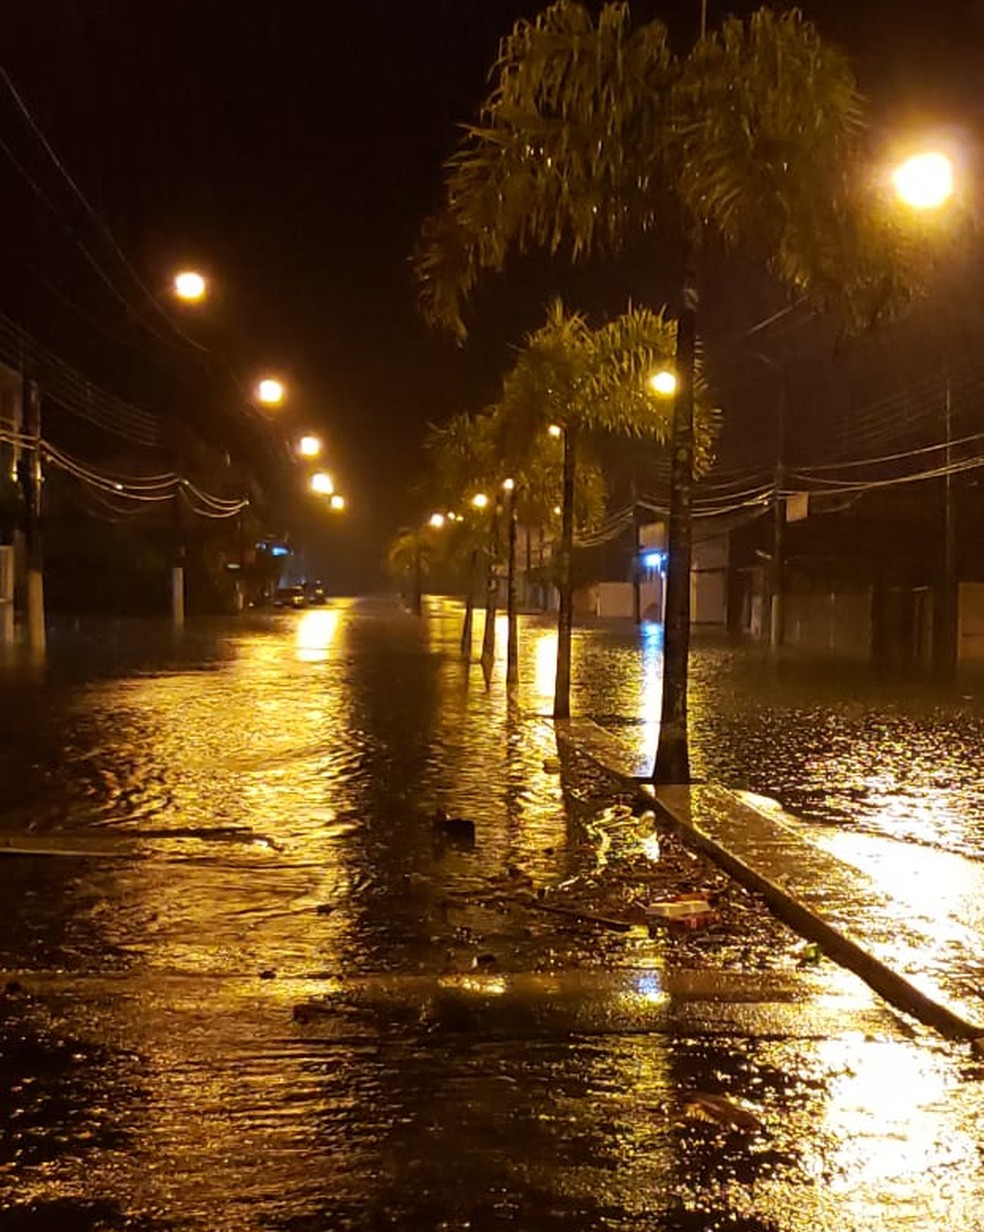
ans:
(291, 148)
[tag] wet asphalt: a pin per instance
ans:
(250, 985)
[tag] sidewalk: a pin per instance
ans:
(912, 925)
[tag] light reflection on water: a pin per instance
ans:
(280, 780)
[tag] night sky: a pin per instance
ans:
(291, 149)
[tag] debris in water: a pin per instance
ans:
(455, 831)
(720, 1111)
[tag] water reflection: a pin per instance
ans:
(278, 780)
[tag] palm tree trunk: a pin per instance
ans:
(512, 641)
(672, 752)
(418, 570)
(491, 595)
(565, 615)
(466, 628)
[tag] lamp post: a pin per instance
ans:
(925, 182)
(271, 391)
(190, 286)
(663, 384)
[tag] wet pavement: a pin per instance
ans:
(913, 933)
(247, 822)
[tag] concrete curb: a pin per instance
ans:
(608, 753)
(835, 943)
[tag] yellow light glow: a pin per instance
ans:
(316, 631)
(557, 510)
(925, 181)
(480, 500)
(190, 286)
(663, 382)
(508, 484)
(270, 391)
(436, 520)
(309, 446)
(338, 502)
(321, 482)
(555, 430)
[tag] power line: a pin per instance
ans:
(93, 215)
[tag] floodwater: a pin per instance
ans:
(240, 821)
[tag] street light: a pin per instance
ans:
(924, 181)
(270, 391)
(309, 446)
(322, 484)
(663, 382)
(337, 502)
(556, 431)
(190, 286)
(436, 520)
(480, 500)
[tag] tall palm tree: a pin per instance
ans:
(596, 132)
(463, 462)
(583, 379)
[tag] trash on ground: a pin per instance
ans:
(588, 917)
(551, 765)
(685, 911)
(808, 954)
(720, 1111)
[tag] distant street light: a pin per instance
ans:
(337, 502)
(436, 520)
(190, 286)
(309, 446)
(321, 483)
(480, 500)
(508, 484)
(924, 181)
(663, 382)
(555, 430)
(270, 391)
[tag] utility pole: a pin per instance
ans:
(636, 565)
(776, 613)
(11, 418)
(512, 640)
(491, 595)
(946, 629)
(29, 469)
(178, 564)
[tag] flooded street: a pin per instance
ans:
(231, 827)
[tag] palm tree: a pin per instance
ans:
(583, 379)
(596, 132)
(465, 461)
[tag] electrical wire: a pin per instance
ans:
(94, 216)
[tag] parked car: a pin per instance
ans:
(315, 592)
(289, 596)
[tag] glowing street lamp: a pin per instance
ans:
(508, 484)
(322, 484)
(556, 431)
(309, 446)
(270, 391)
(924, 181)
(663, 382)
(479, 500)
(436, 520)
(337, 502)
(190, 286)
